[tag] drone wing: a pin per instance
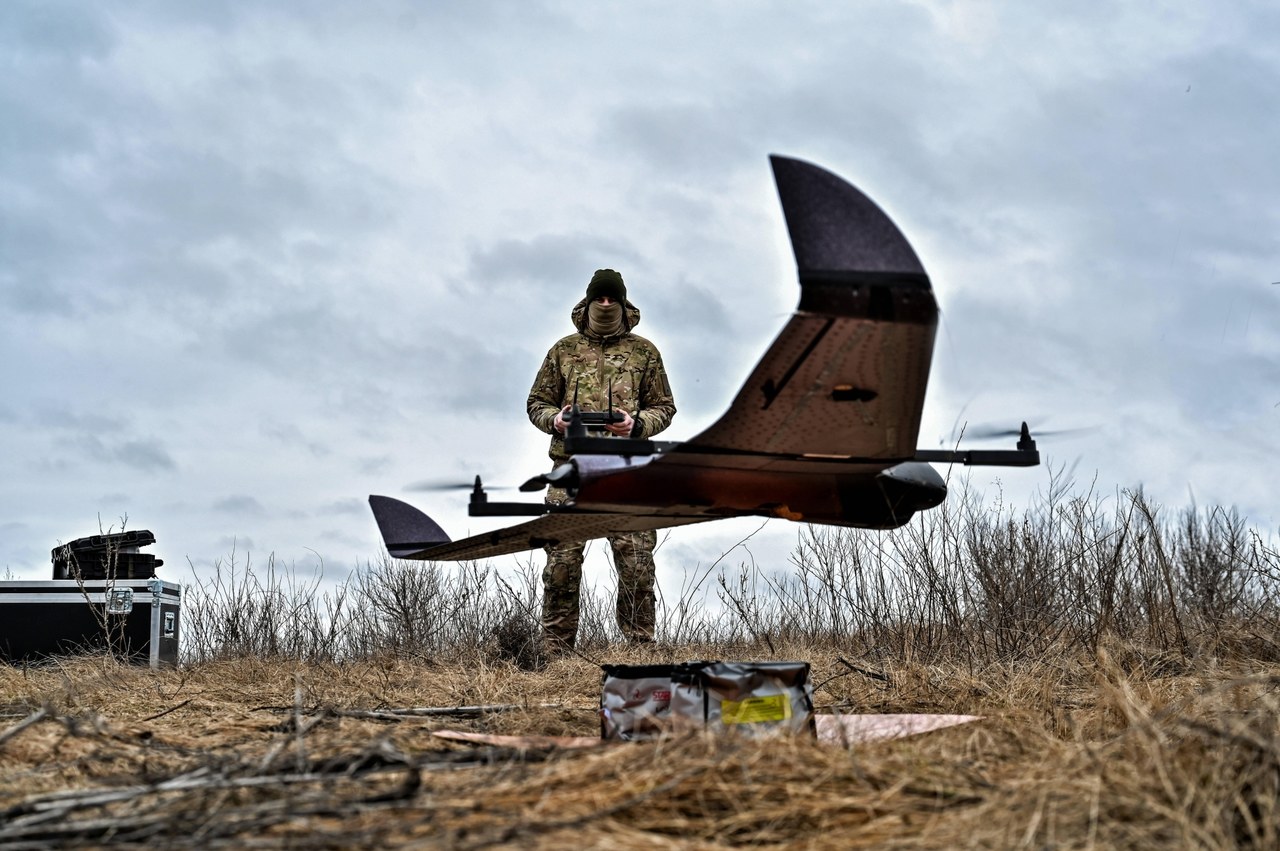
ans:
(410, 534)
(846, 377)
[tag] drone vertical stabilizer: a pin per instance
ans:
(405, 530)
(846, 377)
(837, 233)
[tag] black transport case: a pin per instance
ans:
(135, 618)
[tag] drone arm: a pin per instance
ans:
(972, 457)
(982, 457)
(1025, 455)
(581, 444)
(508, 509)
(480, 506)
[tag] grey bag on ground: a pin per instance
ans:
(634, 701)
(745, 698)
(758, 698)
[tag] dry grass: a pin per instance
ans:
(228, 753)
(1127, 666)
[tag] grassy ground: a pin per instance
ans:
(1073, 753)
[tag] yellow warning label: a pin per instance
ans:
(753, 710)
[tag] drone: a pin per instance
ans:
(823, 431)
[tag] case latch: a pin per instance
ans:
(119, 601)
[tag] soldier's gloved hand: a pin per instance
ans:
(622, 429)
(561, 422)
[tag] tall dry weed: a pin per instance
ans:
(972, 582)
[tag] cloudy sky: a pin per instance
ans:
(260, 260)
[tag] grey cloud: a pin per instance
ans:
(182, 196)
(789, 84)
(12, 528)
(694, 309)
(1131, 163)
(294, 339)
(38, 31)
(699, 344)
(550, 258)
(290, 435)
(239, 545)
(184, 177)
(681, 138)
(496, 382)
(38, 297)
(374, 466)
(144, 455)
(345, 507)
(49, 149)
(313, 347)
(66, 418)
(313, 350)
(351, 542)
(242, 505)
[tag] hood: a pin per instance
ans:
(579, 316)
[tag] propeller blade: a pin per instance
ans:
(991, 432)
(431, 485)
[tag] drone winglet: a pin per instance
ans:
(837, 231)
(405, 530)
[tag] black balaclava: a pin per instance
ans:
(606, 321)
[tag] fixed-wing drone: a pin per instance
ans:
(823, 431)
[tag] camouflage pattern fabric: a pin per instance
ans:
(629, 363)
(562, 586)
(562, 583)
(634, 367)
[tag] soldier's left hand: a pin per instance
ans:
(623, 428)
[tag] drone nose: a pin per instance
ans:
(563, 476)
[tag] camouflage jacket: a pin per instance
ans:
(629, 361)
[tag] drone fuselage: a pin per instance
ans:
(816, 490)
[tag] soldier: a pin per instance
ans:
(604, 352)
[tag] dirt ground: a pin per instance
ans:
(1109, 751)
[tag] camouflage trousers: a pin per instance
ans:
(562, 586)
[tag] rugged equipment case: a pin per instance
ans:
(113, 555)
(136, 618)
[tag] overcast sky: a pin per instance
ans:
(260, 260)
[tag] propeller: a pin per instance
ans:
(989, 432)
(449, 485)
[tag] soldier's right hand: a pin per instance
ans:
(561, 422)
